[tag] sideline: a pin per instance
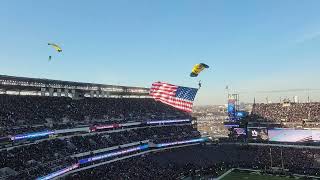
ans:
(257, 170)
(224, 174)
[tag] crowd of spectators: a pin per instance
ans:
(22, 114)
(30, 113)
(289, 112)
(207, 160)
(145, 167)
(33, 113)
(210, 161)
(55, 151)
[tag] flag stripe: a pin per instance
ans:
(163, 94)
(177, 105)
(169, 89)
(173, 100)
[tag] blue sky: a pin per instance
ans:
(250, 45)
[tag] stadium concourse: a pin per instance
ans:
(115, 132)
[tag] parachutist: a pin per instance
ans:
(56, 47)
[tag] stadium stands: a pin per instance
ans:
(213, 160)
(291, 112)
(19, 114)
(59, 150)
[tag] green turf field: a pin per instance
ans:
(252, 176)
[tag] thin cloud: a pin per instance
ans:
(308, 37)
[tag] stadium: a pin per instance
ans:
(69, 130)
(159, 90)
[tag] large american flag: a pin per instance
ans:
(176, 96)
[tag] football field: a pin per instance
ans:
(246, 175)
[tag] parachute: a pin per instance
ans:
(56, 47)
(197, 69)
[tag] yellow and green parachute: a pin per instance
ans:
(56, 47)
(197, 69)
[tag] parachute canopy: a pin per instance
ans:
(197, 69)
(56, 47)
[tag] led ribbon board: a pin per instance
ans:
(60, 172)
(181, 142)
(117, 153)
(31, 135)
(168, 121)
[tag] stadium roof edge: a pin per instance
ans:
(47, 82)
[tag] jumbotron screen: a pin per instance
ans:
(258, 133)
(294, 135)
(239, 131)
